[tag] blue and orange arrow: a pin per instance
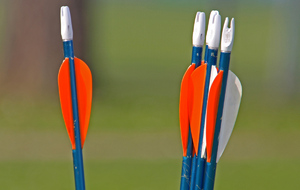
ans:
(201, 89)
(198, 42)
(222, 108)
(186, 103)
(75, 92)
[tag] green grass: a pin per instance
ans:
(36, 175)
(260, 175)
(99, 175)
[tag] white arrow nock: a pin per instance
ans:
(227, 36)
(213, 30)
(66, 24)
(199, 30)
(211, 16)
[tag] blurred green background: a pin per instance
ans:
(138, 52)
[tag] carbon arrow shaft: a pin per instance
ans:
(210, 168)
(77, 153)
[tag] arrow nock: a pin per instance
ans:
(66, 24)
(199, 30)
(214, 30)
(227, 36)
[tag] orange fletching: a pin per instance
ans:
(212, 111)
(84, 97)
(198, 79)
(64, 88)
(184, 106)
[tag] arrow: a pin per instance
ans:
(222, 107)
(186, 101)
(75, 92)
(200, 72)
(201, 92)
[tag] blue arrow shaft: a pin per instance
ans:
(77, 153)
(206, 54)
(211, 60)
(211, 167)
(197, 56)
(186, 165)
(185, 173)
(210, 172)
(193, 172)
(196, 59)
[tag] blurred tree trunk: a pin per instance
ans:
(33, 49)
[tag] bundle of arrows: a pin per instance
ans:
(75, 92)
(209, 103)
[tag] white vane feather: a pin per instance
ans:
(232, 101)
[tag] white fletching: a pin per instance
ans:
(213, 74)
(232, 102)
(66, 24)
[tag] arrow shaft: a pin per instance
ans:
(210, 172)
(197, 178)
(224, 66)
(211, 60)
(197, 55)
(211, 167)
(186, 165)
(206, 54)
(77, 153)
(193, 172)
(196, 58)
